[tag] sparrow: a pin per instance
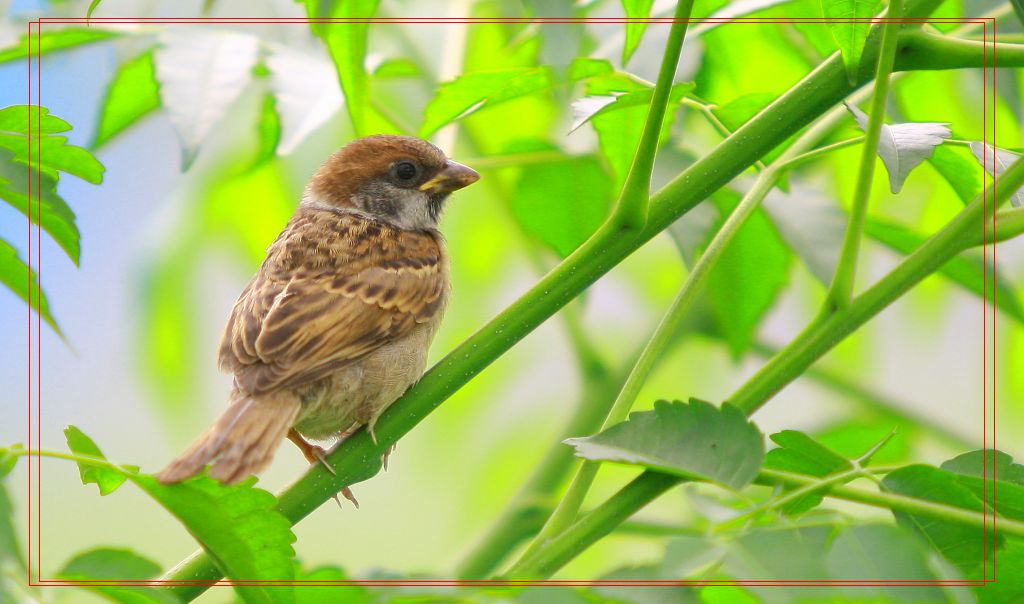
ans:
(336, 324)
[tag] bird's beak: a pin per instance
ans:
(453, 177)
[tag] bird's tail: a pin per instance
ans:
(241, 442)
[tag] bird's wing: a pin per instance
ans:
(333, 288)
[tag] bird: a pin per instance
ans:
(336, 323)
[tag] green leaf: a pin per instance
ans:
(51, 152)
(1009, 585)
(958, 170)
(269, 129)
(131, 95)
(10, 547)
(92, 6)
(749, 276)
(588, 107)
(562, 203)
(21, 119)
(51, 212)
(964, 546)
(811, 226)
(55, 40)
(347, 45)
(993, 478)
(478, 90)
(619, 130)
(695, 440)
(240, 529)
(396, 67)
(997, 465)
(167, 337)
(118, 565)
(22, 280)
(471, 92)
(639, 10)
(852, 438)
(850, 36)
(9, 459)
(329, 594)
(614, 587)
(799, 453)
(874, 553)
(758, 555)
(106, 479)
(967, 270)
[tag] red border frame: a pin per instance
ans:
(36, 55)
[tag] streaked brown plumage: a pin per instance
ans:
(336, 324)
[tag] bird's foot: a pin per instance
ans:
(316, 454)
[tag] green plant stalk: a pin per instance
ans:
(568, 508)
(531, 505)
(1007, 224)
(630, 212)
(894, 501)
(813, 154)
(590, 528)
(357, 458)
(819, 337)
(841, 291)
(932, 51)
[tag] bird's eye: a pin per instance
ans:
(405, 171)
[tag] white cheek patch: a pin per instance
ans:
(412, 210)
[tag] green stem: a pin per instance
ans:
(568, 508)
(630, 212)
(819, 337)
(931, 51)
(816, 153)
(894, 501)
(356, 459)
(841, 290)
(529, 508)
(84, 459)
(1008, 223)
(590, 528)
(708, 111)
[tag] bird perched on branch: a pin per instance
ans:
(336, 324)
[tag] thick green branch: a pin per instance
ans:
(631, 210)
(841, 290)
(358, 457)
(920, 50)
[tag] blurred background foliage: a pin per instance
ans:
(201, 173)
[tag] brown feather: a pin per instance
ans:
(242, 440)
(334, 287)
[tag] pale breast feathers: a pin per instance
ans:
(333, 288)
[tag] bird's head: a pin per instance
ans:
(401, 180)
